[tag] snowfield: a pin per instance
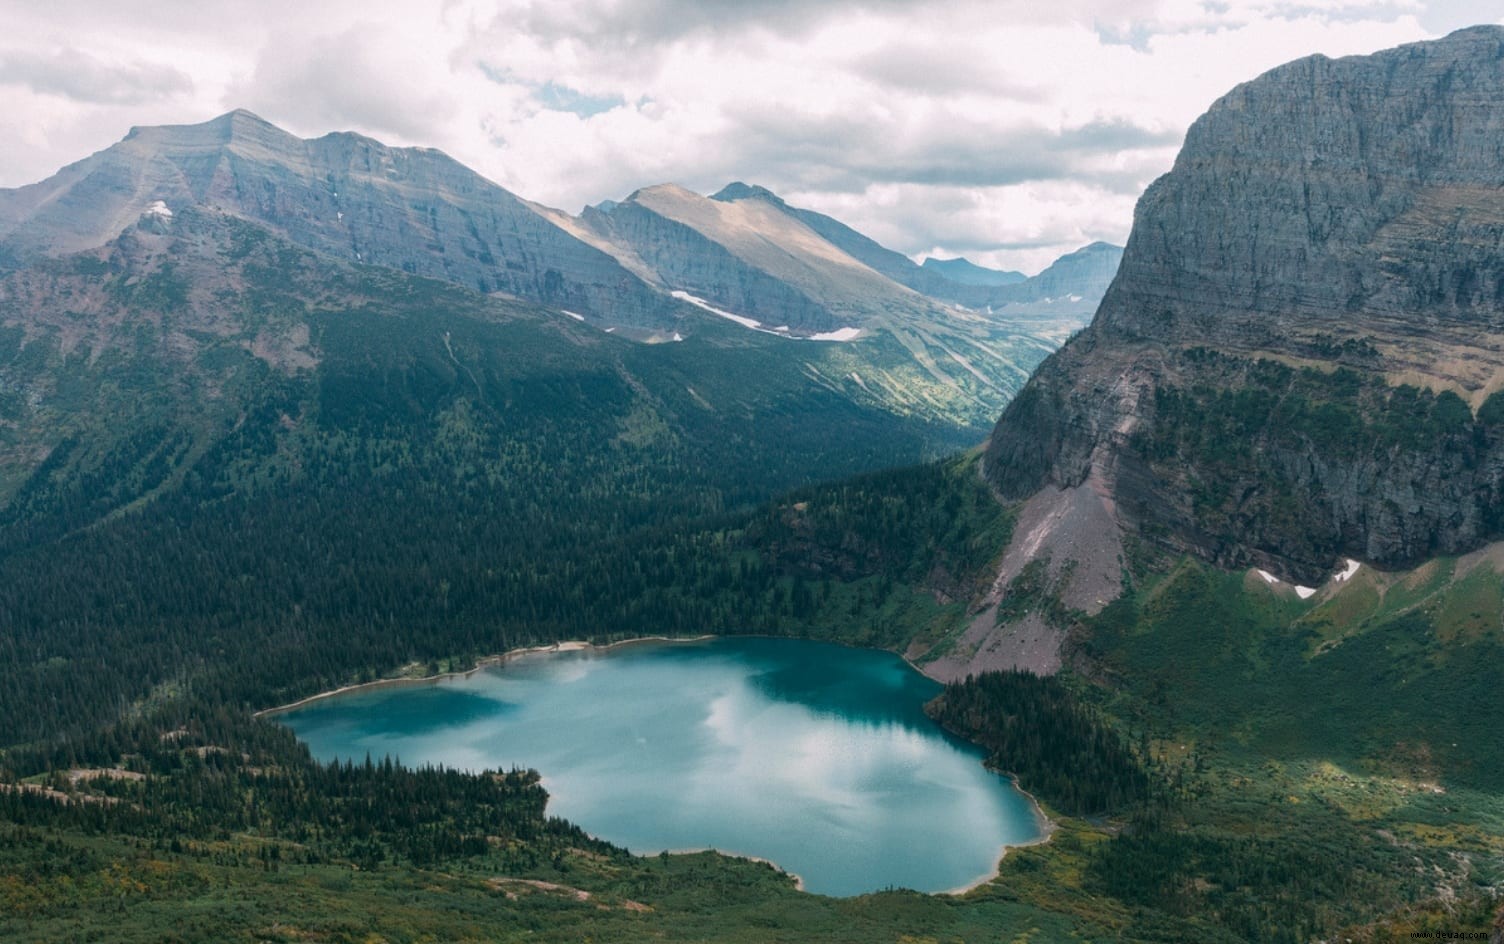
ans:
(782, 331)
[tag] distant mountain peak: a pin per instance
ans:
(343, 194)
(669, 189)
(966, 272)
(239, 128)
(346, 195)
(242, 116)
(737, 190)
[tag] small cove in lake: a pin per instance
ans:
(814, 756)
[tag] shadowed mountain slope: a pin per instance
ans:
(658, 266)
(1297, 358)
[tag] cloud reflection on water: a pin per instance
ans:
(816, 757)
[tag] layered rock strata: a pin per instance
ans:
(1299, 357)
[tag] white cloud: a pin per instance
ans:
(1007, 130)
(385, 80)
(80, 77)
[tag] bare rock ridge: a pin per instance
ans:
(621, 264)
(1329, 190)
(1087, 272)
(969, 273)
(1301, 355)
(343, 194)
(895, 265)
(746, 257)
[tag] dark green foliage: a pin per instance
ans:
(1283, 888)
(1248, 443)
(934, 525)
(1491, 413)
(1206, 655)
(1062, 751)
(1020, 465)
(256, 601)
(456, 476)
(210, 771)
(1034, 591)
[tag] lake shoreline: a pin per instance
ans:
(798, 880)
(1047, 829)
(1046, 826)
(481, 664)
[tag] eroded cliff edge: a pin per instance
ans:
(1301, 356)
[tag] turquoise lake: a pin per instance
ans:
(816, 757)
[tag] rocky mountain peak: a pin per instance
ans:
(966, 272)
(238, 130)
(655, 264)
(736, 190)
(243, 123)
(344, 195)
(1298, 359)
(663, 191)
(1294, 189)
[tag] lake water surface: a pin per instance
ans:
(816, 757)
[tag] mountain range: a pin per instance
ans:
(182, 250)
(969, 273)
(628, 264)
(280, 416)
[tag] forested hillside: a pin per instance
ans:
(235, 472)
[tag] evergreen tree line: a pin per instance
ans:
(210, 773)
(1036, 729)
(254, 600)
(443, 486)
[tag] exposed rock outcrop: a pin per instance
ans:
(749, 259)
(415, 209)
(346, 195)
(894, 265)
(969, 273)
(1297, 357)
(1085, 273)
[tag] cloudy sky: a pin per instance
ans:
(1009, 131)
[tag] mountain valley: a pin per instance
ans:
(1220, 580)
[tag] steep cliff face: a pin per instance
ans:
(1300, 356)
(1085, 273)
(416, 210)
(1327, 191)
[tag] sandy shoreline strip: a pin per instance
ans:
(1047, 829)
(571, 645)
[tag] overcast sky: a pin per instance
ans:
(1009, 131)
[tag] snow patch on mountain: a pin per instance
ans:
(782, 331)
(839, 334)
